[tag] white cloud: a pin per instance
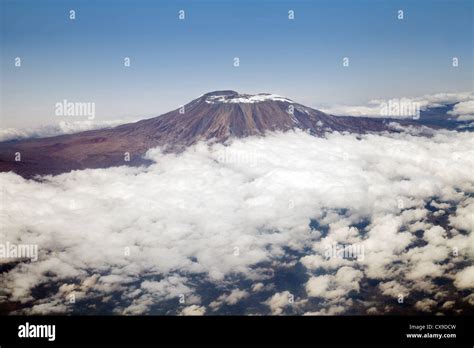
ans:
(464, 218)
(185, 215)
(393, 288)
(171, 287)
(230, 299)
(375, 108)
(279, 301)
(194, 310)
(335, 286)
(425, 305)
(448, 304)
(464, 111)
(258, 287)
(62, 127)
(465, 278)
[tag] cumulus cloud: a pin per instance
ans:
(194, 310)
(464, 217)
(136, 238)
(463, 110)
(393, 288)
(334, 286)
(425, 305)
(465, 278)
(258, 287)
(229, 299)
(281, 301)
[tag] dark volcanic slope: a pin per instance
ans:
(217, 115)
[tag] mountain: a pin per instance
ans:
(216, 117)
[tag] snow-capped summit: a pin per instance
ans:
(234, 97)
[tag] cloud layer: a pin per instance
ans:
(62, 127)
(463, 109)
(145, 240)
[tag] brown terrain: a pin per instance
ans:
(216, 116)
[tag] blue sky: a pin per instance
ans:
(174, 61)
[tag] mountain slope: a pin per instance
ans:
(216, 116)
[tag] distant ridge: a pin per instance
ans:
(216, 116)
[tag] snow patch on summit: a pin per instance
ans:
(245, 98)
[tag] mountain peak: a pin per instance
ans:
(234, 97)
